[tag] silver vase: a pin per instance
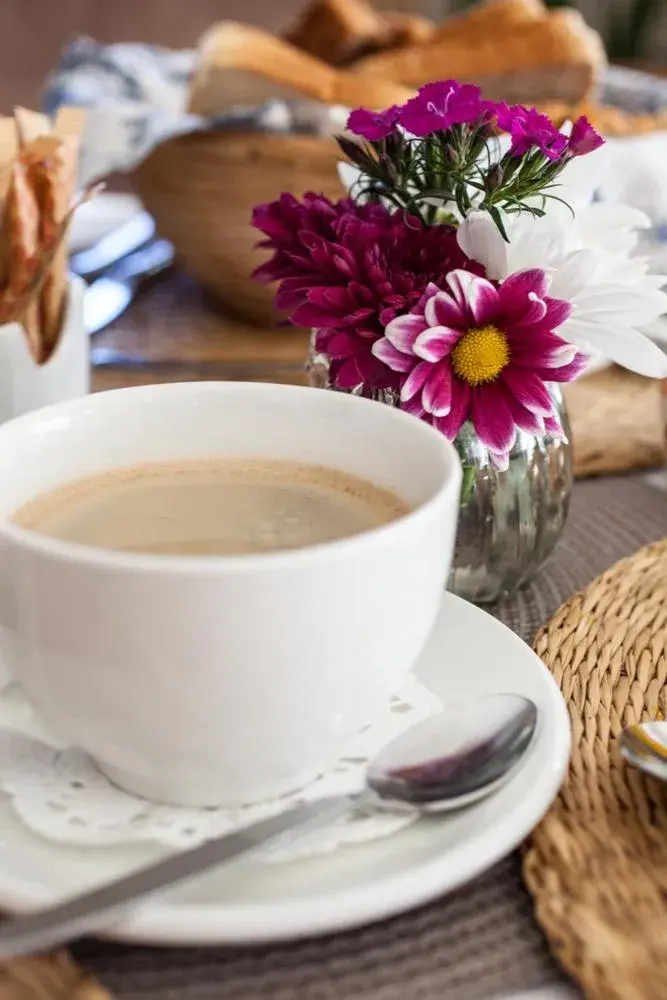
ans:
(510, 521)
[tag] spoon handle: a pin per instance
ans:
(96, 910)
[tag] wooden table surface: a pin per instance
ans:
(174, 331)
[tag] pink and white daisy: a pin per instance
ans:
(483, 352)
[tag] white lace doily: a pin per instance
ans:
(59, 794)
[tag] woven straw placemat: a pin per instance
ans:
(597, 864)
(618, 423)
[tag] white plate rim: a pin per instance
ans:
(202, 925)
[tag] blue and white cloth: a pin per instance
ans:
(137, 95)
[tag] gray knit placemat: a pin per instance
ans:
(476, 944)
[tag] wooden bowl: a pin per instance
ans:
(201, 190)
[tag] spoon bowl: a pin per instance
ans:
(456, 757)
(644, 746)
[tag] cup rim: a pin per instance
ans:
(214, 565)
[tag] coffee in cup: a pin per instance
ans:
(211, 507)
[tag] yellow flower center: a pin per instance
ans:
(480, 355)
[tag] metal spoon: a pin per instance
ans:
(111, 248)
(645, 747)
(109, 295)
(446, 762)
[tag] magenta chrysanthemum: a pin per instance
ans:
(483, 352)
(529, 129)
(438, 106)
(347, 270)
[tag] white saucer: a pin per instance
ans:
(470, 654)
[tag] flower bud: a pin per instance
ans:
(393, 146)
(449, 154)
(510, 164)
(494, 178)
(487, 129)
(352, 150)
(388, 169)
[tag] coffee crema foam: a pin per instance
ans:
(211, 507)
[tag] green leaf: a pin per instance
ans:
(461, 200)
(498, 219)
(555, 197)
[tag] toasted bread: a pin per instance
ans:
(337, 31)
(244, 66)
(489, 18)
(409, 29)
(557, 58)
(353, 91)
(241, 66)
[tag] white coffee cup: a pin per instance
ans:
(221, 680)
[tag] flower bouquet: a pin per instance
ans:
(469, 272)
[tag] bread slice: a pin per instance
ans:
(409, 29)
(242, 66)
(490, 18)
(556, 58)
(354, 91)
(337, 31)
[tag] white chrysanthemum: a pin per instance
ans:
(589, 259)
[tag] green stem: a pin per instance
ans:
(468, 483)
